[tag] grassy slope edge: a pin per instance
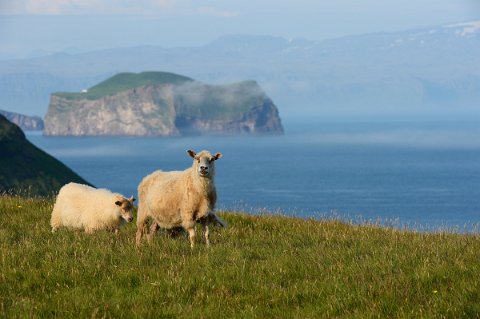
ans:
(23, 166)
(125, 81)
(261, 266)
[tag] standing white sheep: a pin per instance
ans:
(179, 198)
(84, 207)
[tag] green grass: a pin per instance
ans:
(125, 81)
(259, 267)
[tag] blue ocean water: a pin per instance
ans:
(422, 174)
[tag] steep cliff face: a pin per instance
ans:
(144, 111)
(26, 123)
(163, 108)
(262, 118)
(26, 169)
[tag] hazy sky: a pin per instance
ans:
(31, 27)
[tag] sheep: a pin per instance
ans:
(83, 207)
(179, 198)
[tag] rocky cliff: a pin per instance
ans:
(162, 104)
(26, 169)
(26, 123)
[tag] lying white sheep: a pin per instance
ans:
(84, 207)
(179, 198)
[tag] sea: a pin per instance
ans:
(423, 175)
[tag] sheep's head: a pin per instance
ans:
(126, 206)
(204, 163)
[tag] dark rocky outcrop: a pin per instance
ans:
(162, 104)
(26, 169)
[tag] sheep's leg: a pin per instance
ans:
(191, 236)
(140, 231)
(206, 232)
(141, 228)
(153, 229)
(205, 221)
(218, 221)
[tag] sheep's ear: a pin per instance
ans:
(191, 153)
(118, 203)
(217, 156)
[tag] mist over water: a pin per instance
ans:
(423, 174)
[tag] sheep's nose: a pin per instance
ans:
(203, 168)
(130, 219)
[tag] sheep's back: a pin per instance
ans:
(159, 181)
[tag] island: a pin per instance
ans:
(162, 104)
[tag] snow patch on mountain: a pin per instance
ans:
(466, 28)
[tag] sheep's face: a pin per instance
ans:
(204, 163)
(126, 207)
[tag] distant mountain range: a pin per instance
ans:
(436, 67)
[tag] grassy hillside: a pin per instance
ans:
(259, 267)
(23, 166)
(125, 81)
